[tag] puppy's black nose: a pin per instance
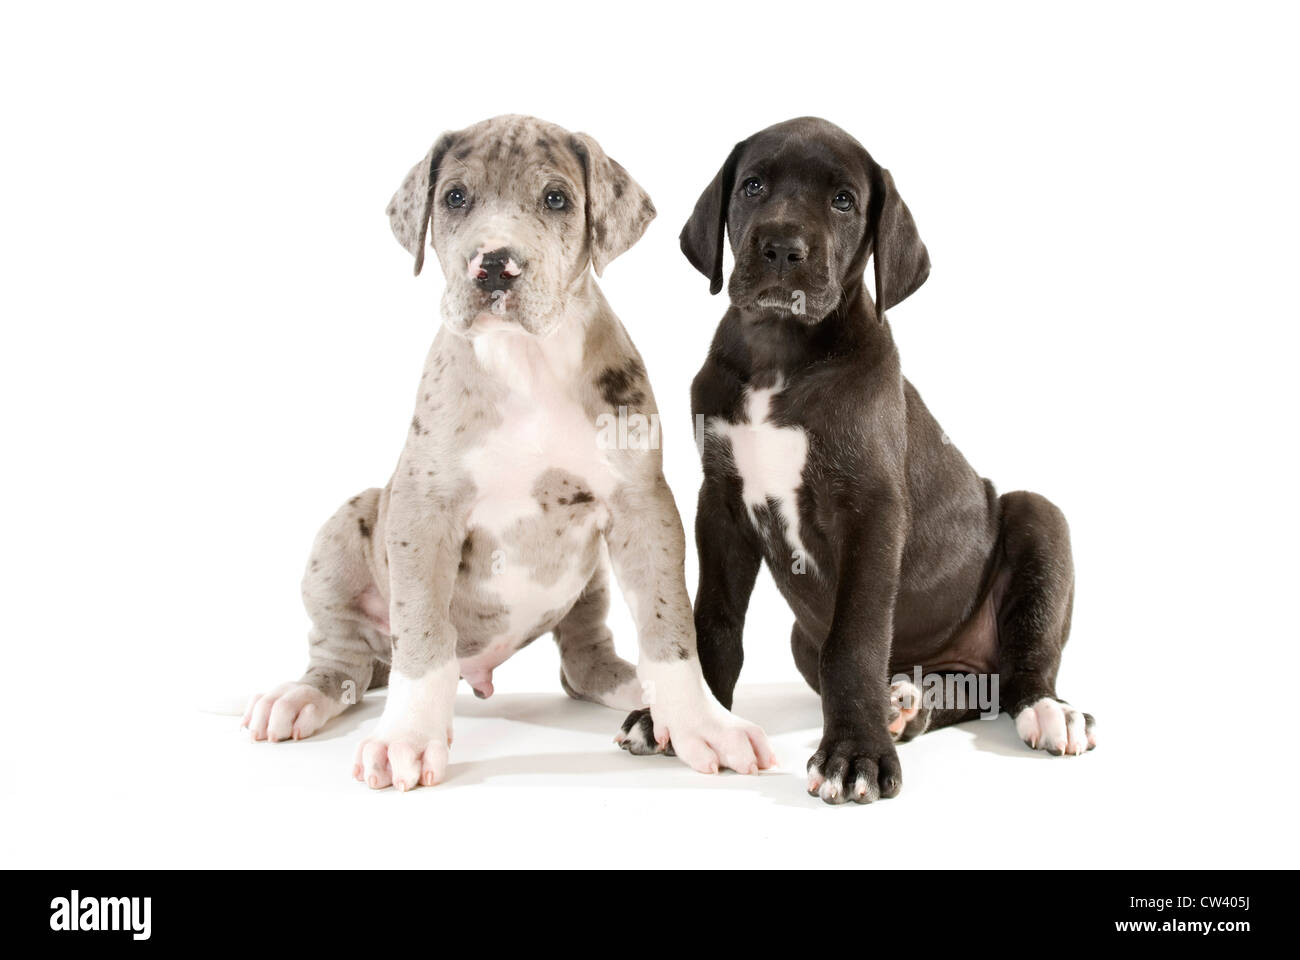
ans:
(496, 269)
(784, 253)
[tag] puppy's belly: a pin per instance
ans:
(523, 566)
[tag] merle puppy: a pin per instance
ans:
(820, 457)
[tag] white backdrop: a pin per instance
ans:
(212, 339)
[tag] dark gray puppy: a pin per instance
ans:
(820, 457)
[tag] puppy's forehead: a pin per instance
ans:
(511, 150)
(808, 148)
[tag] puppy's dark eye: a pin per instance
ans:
(455, 198)
(556, 200)
(843, 201)
(753, 187)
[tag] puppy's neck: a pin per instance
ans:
(779, 345)
(530, 364)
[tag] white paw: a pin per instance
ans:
(712, 739)
(410, 746)
(687, 721)
(291, 711)
(1056, 727)
(404, 759)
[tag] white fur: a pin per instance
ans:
(421, 704)
(410, 744)
(702, 731)
(290, 711)
(627, 696)
(769, 458)
(1055, 727)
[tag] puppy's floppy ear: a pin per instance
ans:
(902, 263)
(705, 231)
(618, 210)
(412, 204)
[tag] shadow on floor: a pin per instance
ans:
(780, 708)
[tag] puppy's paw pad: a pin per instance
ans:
(292, 711)
(1057, 727)
(907, 717)
(637, 735)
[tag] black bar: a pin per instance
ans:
(382, 909)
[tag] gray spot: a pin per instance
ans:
(566, 505)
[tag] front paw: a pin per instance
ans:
(402, 759)
(637, 735)
(290, 711)
(706, 738)
(854, 767)
(411, 744)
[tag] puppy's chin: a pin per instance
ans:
(487, 322)
(778, 303)
(513, 321)
(474, 312)
(471, 313)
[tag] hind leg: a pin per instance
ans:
(909, 713)
(1034, 623)
(590, 669)
(805, 657)
(348, 634)
(909, 716)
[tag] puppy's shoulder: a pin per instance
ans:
(720, 383)
(614, 373)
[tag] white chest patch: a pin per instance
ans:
(769, 459)
(543, 425)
